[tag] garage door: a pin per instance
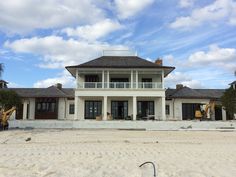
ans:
(188, 110)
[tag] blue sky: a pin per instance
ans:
(198, 37)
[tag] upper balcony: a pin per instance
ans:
(120, 71)
(120, 79)
(119, 85)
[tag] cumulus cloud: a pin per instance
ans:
(20, 16)
(94, 31)
(222, 57)
(182, 78)
(129, 8)
(186, 3)
(64, 78)
(218, 10)
(57, 52)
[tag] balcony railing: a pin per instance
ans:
(119, 85)
(150, 85)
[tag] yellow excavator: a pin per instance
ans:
(206, 111)
(4, 117)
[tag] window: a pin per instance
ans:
(46, 105)
(71, 109)
(167, 109)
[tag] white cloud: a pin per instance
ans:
(129, 8)
(222, 57)
(64, 78)
(218, 10)
(14, 85)
(94, 31)
(20, 16)
(186, 3)
(57, 52)
(196, 84)
(182, 78)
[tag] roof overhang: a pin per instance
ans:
(167, 70)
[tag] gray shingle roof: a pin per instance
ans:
(120, 62)
(43, 92)
(187, 92)
(233, 83)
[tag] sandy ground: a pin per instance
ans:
(113, 153)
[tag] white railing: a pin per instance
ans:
(149, 85)
(120, 85)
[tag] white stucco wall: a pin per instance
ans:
(31, 108)
(68, 115)
(61, 108)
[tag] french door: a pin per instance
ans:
(145, 108)
(92, 109)
(119, 109)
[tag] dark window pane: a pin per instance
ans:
(71, 109)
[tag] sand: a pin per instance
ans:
(113, 153)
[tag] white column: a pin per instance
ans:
(163, 108)
(162, 79)
(131, 79)
(156, 107)
(108, 79)
(105, 108)
(223, 114)
(103, 78)
(32, 108)
(25, 110)
(134, 107)
(77, 78)
(76, 108)
(80, 108)
(136, 78)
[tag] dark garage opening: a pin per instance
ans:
(188, 110)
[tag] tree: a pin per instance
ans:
(8, 99)
(229, 101)
(1, 69)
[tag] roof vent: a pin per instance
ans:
(118, 53)
(179, 86)
(58, 85)
(158, 62)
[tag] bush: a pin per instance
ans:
(229, 101)
(9, 98)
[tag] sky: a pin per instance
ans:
(39, 38)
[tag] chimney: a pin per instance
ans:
(158, 62)
(179, 86)
(58, 85)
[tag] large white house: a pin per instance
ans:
(120, 88)
(117, 88)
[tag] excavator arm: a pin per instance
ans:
(5, 115)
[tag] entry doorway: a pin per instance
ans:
(145, 109)
(93, 109)
(218, 112)
(188, 110)
(119, 109)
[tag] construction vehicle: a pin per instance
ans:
(206, 111)
(4, 117)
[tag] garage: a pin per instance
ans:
(188, 110)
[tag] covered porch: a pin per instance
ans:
(119, 108)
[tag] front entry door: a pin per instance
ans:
(93, 109)
(119, 109)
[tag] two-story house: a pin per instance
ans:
(120, 88)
